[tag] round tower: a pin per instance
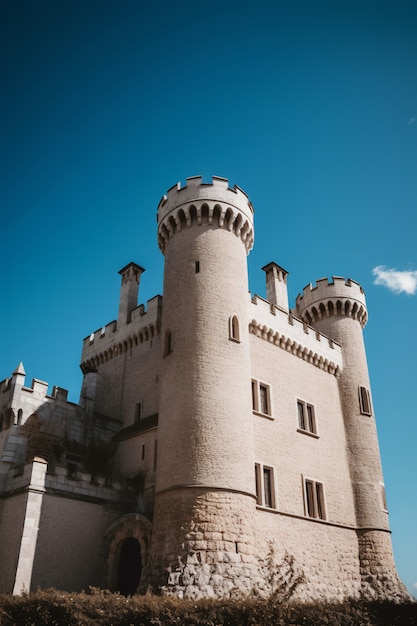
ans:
(338, 310)
(205, 491)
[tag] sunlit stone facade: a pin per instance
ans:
(223, 444)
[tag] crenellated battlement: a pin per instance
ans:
(114, 339)
(83, 486)
(200, 203)
(338, 296)
(289, 333)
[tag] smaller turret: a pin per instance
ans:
(129, 291)
(339, 297)
(19, 375)
(213, 204)
(338, 309)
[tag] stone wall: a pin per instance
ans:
(202, 544)
(12, 516)
(70, 550)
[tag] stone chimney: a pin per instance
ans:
(129, 291)
(276, 285)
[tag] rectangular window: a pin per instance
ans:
(268, 487)
(301, 416)
(365, 401)
(314, 499)
(197, 267)
(261, 398)
(306, 417)
(264, 484)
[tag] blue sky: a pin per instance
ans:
(310, 107)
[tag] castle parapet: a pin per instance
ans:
(113, 339)
(339, 296)
(285, 331)
(205, 203)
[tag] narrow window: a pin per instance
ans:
(263, 399)
(384, 497)
(314, 499)
(143, 451)
(320, 500)
(365, 401)
(254, 402)
(268, 487)
(234, 332)
(309, 487)
(138, 411)
(167, 343)
(264, 484)
(311, 419)
(197, 267)
(301, 416)
(258, 483)
(155, 452)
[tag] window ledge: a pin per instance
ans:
(268, 509)
(307, 432)
(269, 417)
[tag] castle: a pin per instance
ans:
(217, 435)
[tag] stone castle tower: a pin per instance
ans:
(218, 435)
(205, 490)
(338, 310)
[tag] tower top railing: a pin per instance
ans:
(338, 296)
(195, 189)
(213, 204)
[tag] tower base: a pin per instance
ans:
(202, 544)
(379, 578)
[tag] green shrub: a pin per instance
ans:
(102, 608)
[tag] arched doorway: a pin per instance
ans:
(127, 546)
(130, 566)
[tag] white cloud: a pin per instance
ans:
(396, 281)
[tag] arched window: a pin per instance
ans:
(234, 330)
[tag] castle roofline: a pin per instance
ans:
(218, 190)
(338, 296)
(337, 286)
